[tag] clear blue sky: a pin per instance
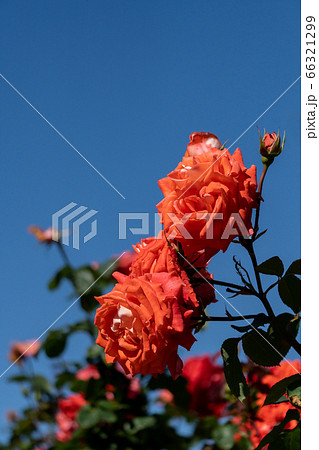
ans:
(126, 83)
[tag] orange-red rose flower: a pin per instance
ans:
(205, 384)
(271, 415)
(155, 255)
(68, 409)
(141, 323)
(22, 350)
(208, 197)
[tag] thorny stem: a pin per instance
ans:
(262, 295)
(231, 285)
(249, 247)
(259, 191)
(64, 255)
(272, 286)
(224, 319)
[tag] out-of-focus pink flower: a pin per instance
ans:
(165, 396)
(87, 373)
(11, 415)
(125, 261)
(94, 265)
(134, 389)
(44, 236)
(206, 385)
(68, 409)
(22, 350)
(109, 394)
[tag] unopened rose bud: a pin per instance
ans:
(270, 147)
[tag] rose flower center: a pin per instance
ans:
(123, 320)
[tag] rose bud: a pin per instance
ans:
(270, 147)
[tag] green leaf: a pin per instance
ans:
(233, 370)
(292, 440)
(95, 351)
(64, 378)
(88, 417)
(141, 423)
(88, 302)
(55, 343)
(282, 399)
(280, 388)
(262, 349)
(295, 267)
(294, 388)
(224, 436)
(40, 383)
(287, 440)
(107, 410)
(206, 426)
(64, 273)
(269, 348)
(273, 266)
(18, 378)
(292, 414)
(289, 288)
(83, 279)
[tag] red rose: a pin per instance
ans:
(141, 323)
(156, 255)
(271, 415)
(205, 384)
(68, 409)
(209, 198)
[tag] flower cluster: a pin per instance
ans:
(208, 192)
(68, 409)
(150, 312)
(270, 415)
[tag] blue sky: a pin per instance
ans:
(126, 83)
